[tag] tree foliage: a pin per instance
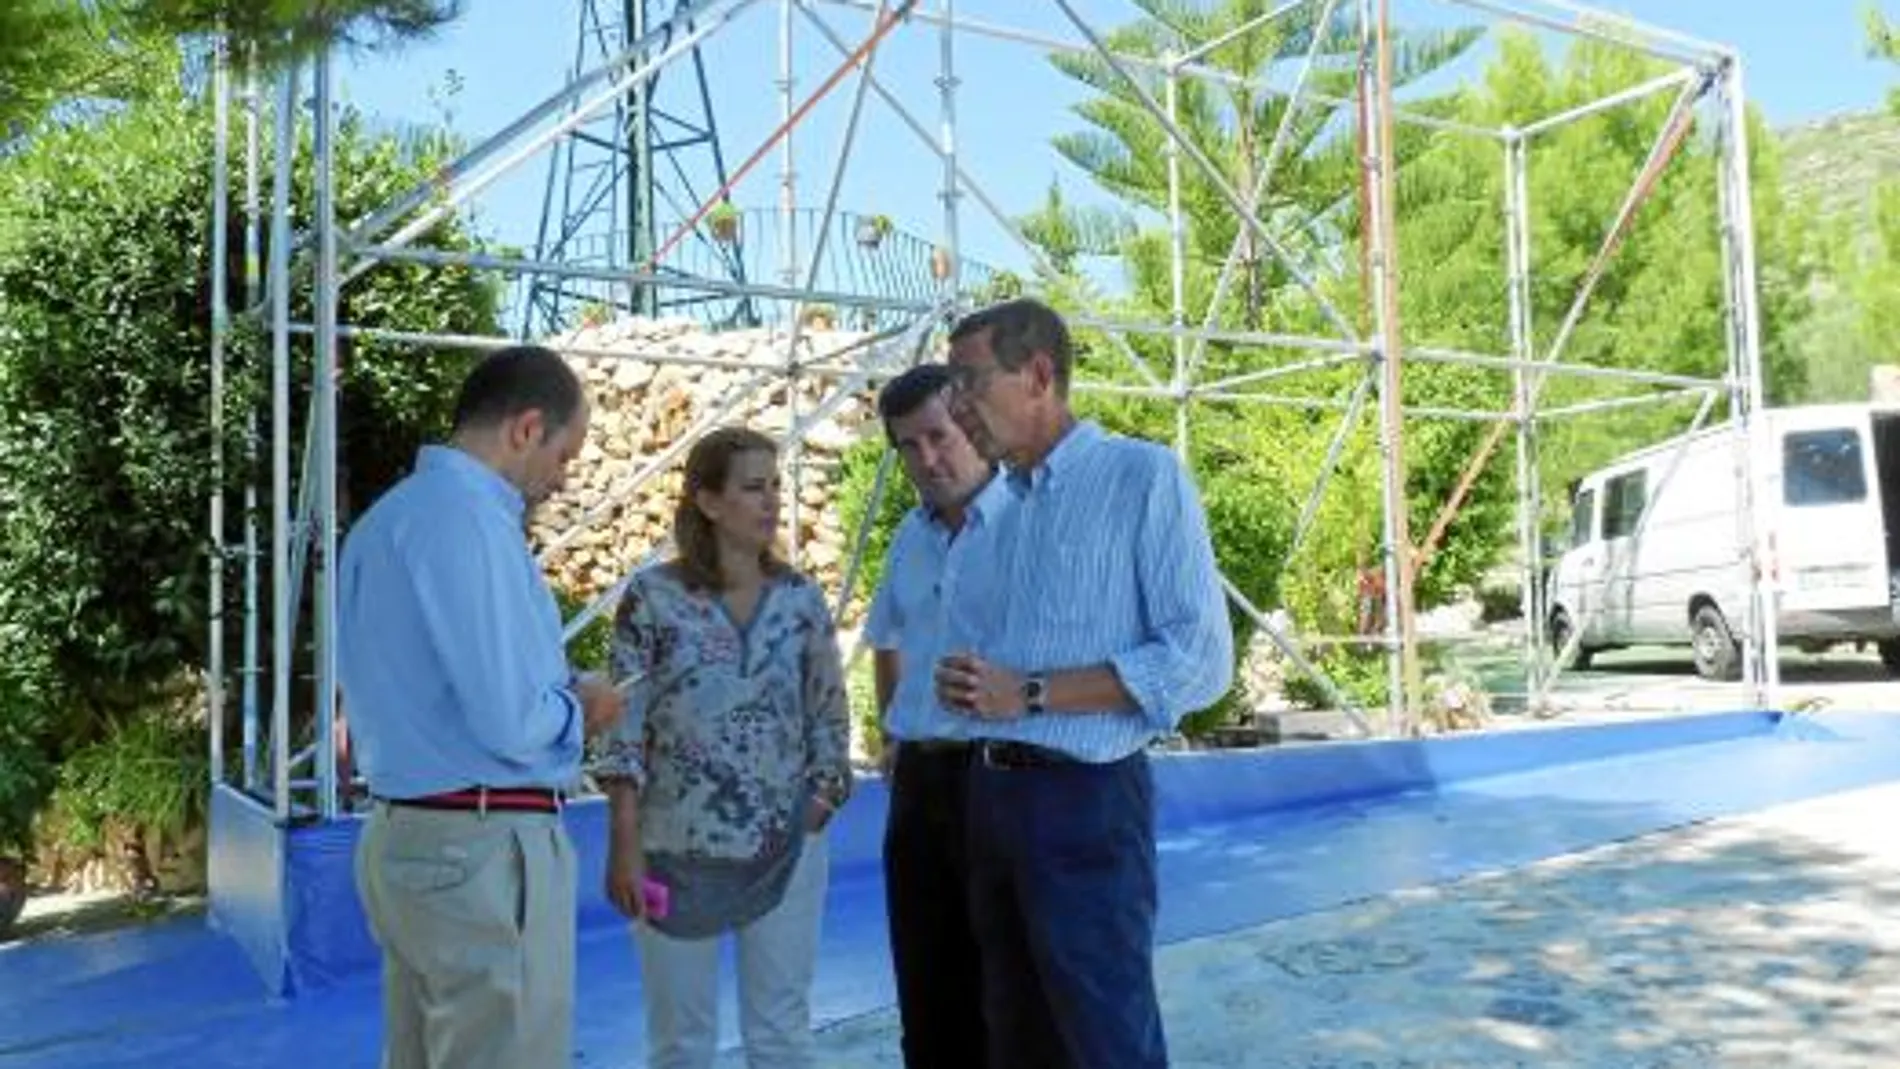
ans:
(105, 434)
(59, 54)
(282, 28)
(1856, 325)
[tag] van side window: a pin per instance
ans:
(1623, 500)
(1583, 517)
(1822, 467)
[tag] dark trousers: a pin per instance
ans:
(933, 947)
(1062, 889)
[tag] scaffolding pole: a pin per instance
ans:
(947, 83)
(1760, 661)
(1381, 165)
(1529, 498)
(252, 709)
(792, 367)
(788, 172)
(1177, 271)
(325, 417)
(220, 327)
(282, 624)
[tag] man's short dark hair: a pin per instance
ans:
(520, 378)
(1018, 330)
(911, 391)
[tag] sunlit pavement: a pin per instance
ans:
(1733, 943)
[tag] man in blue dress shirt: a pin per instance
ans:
(468, 725)
(1109, 625)
(935, 551)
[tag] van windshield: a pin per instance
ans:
(1823, 467)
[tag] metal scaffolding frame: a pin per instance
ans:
(324, 260)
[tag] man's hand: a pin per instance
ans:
(970, 685)
(601, 704)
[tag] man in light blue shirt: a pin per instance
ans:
(1108, 626)
(468, 724)
(937, 550)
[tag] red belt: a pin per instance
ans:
(486, 799)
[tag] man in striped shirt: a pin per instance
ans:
(1106, 624)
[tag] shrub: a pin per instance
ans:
(105, 437)
(146, 777)
(26, 768)
(857, 478)
(587, 651)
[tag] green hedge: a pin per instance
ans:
(105, 437)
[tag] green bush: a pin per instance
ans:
(26, 768)
(147, 775)
(857, 479)
(105, 438)
(587, 651)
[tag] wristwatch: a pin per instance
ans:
(1036, 694)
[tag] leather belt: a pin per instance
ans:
(487, 800)
(992, 753)
(997, 753)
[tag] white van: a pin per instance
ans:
(1655, 555)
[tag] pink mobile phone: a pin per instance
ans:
(655, 896)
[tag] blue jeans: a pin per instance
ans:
(1062, 897)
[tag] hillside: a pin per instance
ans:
(1838, 160)
(1836, 164)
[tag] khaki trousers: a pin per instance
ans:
(475, 915)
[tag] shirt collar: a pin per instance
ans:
(982, 505)
(1066, 453)
(464, 466)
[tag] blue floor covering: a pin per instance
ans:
(179, 994)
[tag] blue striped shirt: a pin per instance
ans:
(449, 647)
(1108, 560)
(926, 564)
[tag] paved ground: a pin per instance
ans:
(1733, 944)
(1842, 678)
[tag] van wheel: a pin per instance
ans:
(1890, 655)
(1560, 631)
(1717, 655)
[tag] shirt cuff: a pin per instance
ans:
(1147, 683)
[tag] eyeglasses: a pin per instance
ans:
(970, 379)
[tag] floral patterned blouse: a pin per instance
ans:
(728, 728)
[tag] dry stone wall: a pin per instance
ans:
(651, 382)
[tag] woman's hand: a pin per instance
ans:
(626, 873)
(817, 815)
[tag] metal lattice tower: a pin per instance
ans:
(616, 180)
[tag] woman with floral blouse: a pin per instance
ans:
(733, 755)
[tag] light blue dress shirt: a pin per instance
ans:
(1105, 559)
(449, 647)
(926, 562)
